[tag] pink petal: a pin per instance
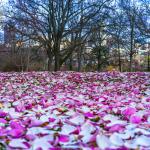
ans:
(135, 119)
(15, 125)
(88, 114)
(63, 138)
(116, 128)
(16, 133)
(129, 111)
(2, 114)
(3, 121)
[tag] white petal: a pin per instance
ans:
(115, 110)
(116, 139)
(14, 114)
(70, 113)
(87, 128)
(67, 129)
(85, 109)
(120, 122)
(130, 144)
(126, 135)
(148, 120)
(78, 120)
(101, 99)
(86, 138)
(110, 118)
(17, 143)
(131, 126)
(102, 141)
(37, 130)
(41, 143)
(16, 103)
(48, 137)
(140, 113)
(147, 92)
(143, 140)
(145, 132)
(44, 118)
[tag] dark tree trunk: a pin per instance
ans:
(70, 63)
(130, 64)
(99, 60)
(79, 59)
(119, 58)
(56, 50)
(148, 62)
(57, 62)
(50, 64)
(131, 43)
(50, 57)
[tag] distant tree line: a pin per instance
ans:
(94, 33)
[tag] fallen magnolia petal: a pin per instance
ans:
(16, 133)
(135, 119)
(129, 111)
(2, 114)
(110, 118)
(147, 92)
(127, 135)
(42, 143)
(116, 139)
(63, 138)
(103, 142)
(38, 130)
(148, 120)
(87, 137)
(67, 129)
(44, 118)
(87, 128)
(143, 140)
(18, 143)
(116, 122)
(35, 123)
(78, 119)
(142, 131)
(131, 144)
(116, 128)
(89, 115)
(3, 121)
(131, 126)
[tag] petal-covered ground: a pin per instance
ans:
(69, 110)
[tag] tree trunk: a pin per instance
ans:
(148, 62)
(57, 59)
(49, 64)
(50, 57)
(28, 59)
(119, 58)
(130, 65)
(56, 50)
(131, 43)
(79, 59)
(70, 63)
(99, 60)
(57, 62)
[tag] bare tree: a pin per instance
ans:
(48, 22)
